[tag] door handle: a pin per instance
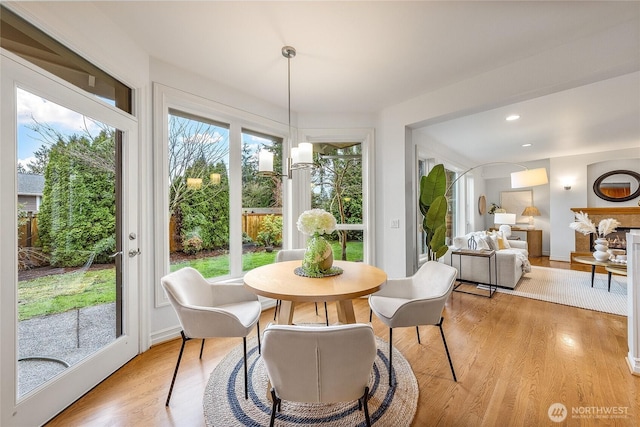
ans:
(134, 252)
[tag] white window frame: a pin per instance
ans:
(301, 187)
(166, 98)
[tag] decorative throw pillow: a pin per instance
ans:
(506, 243)
(503, 243)
(460, 243)
(491, 243)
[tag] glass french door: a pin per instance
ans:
(69, 248)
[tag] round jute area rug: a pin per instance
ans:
(225, 405)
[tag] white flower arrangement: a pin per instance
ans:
(585, 226)
(316, 221)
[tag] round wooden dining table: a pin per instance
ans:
(279, 281)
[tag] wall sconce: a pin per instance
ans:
(302, 155)
(214, 178)
(567, 186)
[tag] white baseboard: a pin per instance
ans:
(634, 364)
(166, 334)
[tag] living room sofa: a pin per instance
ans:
(511, 258)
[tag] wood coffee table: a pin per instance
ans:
(279, 281)
(589, 260)
(615, 268)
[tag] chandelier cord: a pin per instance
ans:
(289, 93)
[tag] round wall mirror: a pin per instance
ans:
(618, 186)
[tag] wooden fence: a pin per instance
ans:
(251, 223)
(28, 232)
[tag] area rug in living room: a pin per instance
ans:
(224, 403)
(570, 287)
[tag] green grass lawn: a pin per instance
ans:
(58, 293)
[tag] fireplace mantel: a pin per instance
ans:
(609, 211)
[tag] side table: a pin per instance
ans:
(534, 240)
(489, 255)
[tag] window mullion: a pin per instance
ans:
(235, 200)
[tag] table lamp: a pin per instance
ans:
(531, 211)
(505, 218)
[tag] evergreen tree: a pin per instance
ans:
(77, 216)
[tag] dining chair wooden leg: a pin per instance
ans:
(444, 341)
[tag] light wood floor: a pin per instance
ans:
(514, 357)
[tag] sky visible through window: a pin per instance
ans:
(32, 108)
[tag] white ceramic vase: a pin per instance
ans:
(601, 247)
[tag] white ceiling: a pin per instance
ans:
(363, 56)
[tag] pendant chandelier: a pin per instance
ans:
(301, 156)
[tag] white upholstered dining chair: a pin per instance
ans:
(319, 364)
(295, 255)
(414, 301)
(208, 310)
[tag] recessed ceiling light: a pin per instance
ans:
(526, 145)
(513, 117)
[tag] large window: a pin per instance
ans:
(261, 201)
(198, 151)
(337, 188)
(342, 184)
(213, 211)
(218, 215)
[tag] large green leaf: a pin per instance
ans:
(433, 185)
(437, 244)
(437, 213)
